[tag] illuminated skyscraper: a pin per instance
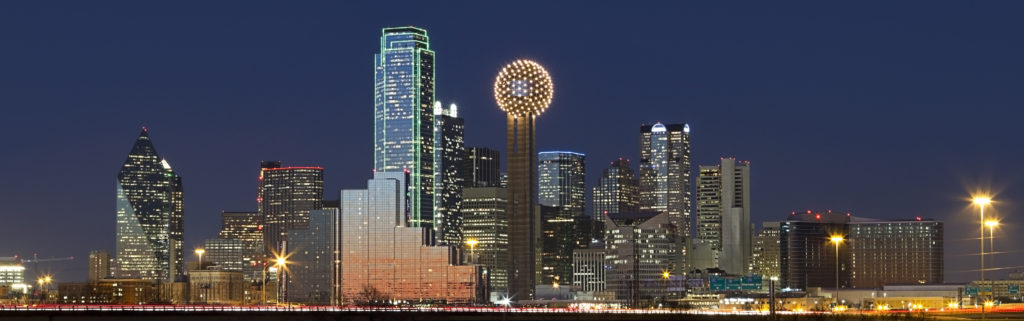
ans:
(723, 213)
(384, 260)
(286, 195)
(403, 137)
(764, 259)
(448, 159)
(640, 248)
(246, 228)
(523, 90)
(665, 178)
(561, 181)
(486, 222)
(150, 216)
(616, 191)
(482, 167)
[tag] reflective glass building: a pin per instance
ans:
(639, 249)
(403, 113)
(286, 195)
(449, 130)
(561, 181)
(316, 260)
(386, 261)
(150, 216)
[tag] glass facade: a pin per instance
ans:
(316, 260)
(448, 164)
(485, 220)
(482, 167)
(561, 181)
(150, 216)
(589, 273)
(286, 195)
(386, 261)
(665, 178)
(404, 115)
(806, 256)
(616, 191)
(99, 265)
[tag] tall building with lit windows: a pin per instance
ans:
(616, 191)
(316, 272)
(561, 181)
(486, 222)
(723, 213)
(246, 230)
(403, 137)
(481, 167)
(449, 152)
(286, 195)
(384, 260)
(665, 179)
(764, 259)
(150, 216)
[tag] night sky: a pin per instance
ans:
(882, 109)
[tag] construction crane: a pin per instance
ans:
(35, 260)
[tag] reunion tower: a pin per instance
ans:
(523, 90)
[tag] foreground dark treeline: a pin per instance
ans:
(419, 316)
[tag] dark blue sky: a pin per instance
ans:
(885, 110)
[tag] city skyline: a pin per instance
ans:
(221, 177)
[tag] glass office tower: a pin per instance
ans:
(448, 157)
(665, 178)
(386, 261)
(286, 195)
(150, 216)
(616, 191)
(404, 115)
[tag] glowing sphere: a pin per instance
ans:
(523, 88)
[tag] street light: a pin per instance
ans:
(981, 201)
(837, 239)
(43, 283)
(281, 263)
(992, 224)
(472, 246)
(200, 252)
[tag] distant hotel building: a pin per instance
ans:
(150, 216)
(873, 253)
(286, 195)
(665, 179)
(385, 261)
(723, 213)
(403, 113)
(481, 167)
(449, 130)
(485, 220)
(616, 191)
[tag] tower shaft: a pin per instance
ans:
(522, 208)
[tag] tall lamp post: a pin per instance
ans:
(837, 239)
(280, 263)
(992, 246)
(981, 202)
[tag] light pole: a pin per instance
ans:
(771, 290)
(280, 263)
(200, 252)
(981, 202)
(472, 246)
(992, 245)
(837, 239)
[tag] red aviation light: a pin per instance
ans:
(918, 218)
(817, 216)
